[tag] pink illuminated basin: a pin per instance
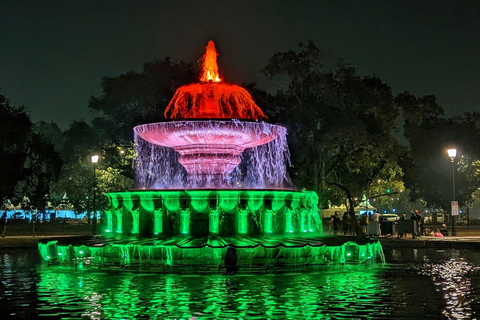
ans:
(209, 146)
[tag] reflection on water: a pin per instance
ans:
(452, 278)
(352, 293)
(445, 286)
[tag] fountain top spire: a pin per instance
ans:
(212, 98)
(209, 64)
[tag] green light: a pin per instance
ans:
(388, 190)
(136, 221)
(268, 216)
(109, 214)
(157, 221)
(107, 231)
(289, 210)
(81, 252)
(185, 222)
(213, 224)
(242, 222)
(119, 214)
(152, 253)
(288, 220)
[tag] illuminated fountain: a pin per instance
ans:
(212, 191)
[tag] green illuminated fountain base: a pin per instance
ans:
(199, 213)
(172, 230)
(211, 253)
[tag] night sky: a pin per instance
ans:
(54, 53)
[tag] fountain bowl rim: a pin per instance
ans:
(210, 120)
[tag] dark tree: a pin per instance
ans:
(339, 124)
(138, 97)
(51, 133)
(428, 170)
(80, 140)
(42, 169)
(29, 165)
(15, 134)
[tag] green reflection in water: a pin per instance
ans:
(351, 292)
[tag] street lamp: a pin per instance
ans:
(94, 159)
(452, 153)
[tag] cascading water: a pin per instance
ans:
(260, 167)
(212, 190)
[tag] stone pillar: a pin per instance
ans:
(119, 215)
(136, 221)
(185, 221)
(157, 221)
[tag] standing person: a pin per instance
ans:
(345, 224)
(401, 226)
(4, 221)
(413, 217)
(444, 230)
(336, 222)
(419, 219)
(330, 224)
(374, 226)
(378, 217)
(363, 223)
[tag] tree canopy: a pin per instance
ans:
(138, 97)
(28, 162)
(339, 123)
(428, 170)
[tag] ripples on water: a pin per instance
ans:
(423, 288)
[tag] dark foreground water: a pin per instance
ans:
(416, 284)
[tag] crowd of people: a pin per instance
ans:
(370, 224)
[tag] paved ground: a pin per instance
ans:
(24, 236)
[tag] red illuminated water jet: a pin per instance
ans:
(212, 98)
(210, 147)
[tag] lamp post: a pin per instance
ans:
(94, 159)
(452, 153)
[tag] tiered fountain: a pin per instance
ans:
(213, 191)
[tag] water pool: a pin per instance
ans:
(414, 284)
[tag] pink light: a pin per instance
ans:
(209, 146)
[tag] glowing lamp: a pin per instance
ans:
(452, 153)
(95, 158)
